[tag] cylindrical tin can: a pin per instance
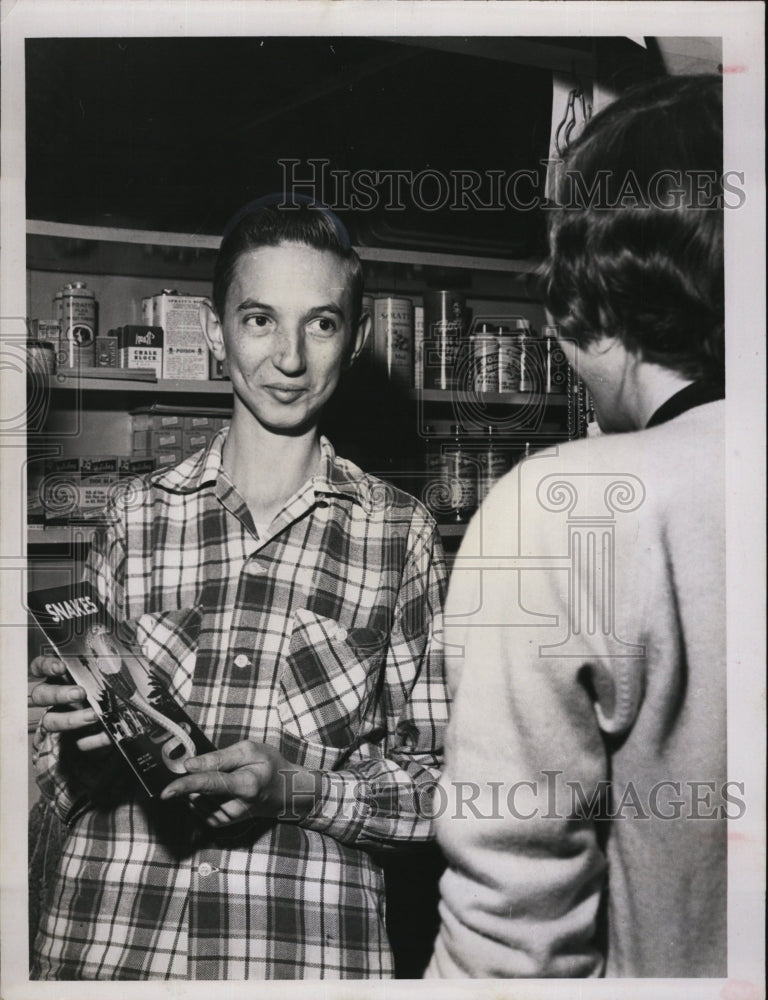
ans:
(393, 338)
(555, 362)
(436, 493)
(493, 463)
(484, 360)
(512, 362)
(76, 306)
(445, 316)
(527, 362)
(462, 476)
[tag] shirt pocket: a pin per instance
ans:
(169, 640)
(327, 684)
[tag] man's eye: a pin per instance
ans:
(257, 319)
(323, 325)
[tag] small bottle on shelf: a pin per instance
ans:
(492, 464)
(462, 472)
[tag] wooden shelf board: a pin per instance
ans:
(204, 241)
(59, 534)
(161, 387)
(464, 397)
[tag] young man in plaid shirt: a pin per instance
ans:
(289, 600)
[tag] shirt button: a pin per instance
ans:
(255, 568)
(340, 633)
(241, 660)
(204, 870)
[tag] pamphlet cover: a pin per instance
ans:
(145, 722)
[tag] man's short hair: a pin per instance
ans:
(636, 242)
(277, 219)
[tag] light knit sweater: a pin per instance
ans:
(585, 635)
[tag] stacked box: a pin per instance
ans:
(106, 351)
(169, 437)
(195, 440)
(141, 347)
(46, 329)
(132, 465)
(78, 488)
(98, 479)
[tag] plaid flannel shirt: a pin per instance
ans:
(316, 638)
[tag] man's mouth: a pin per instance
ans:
(285, 393)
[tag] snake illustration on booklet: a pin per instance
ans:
(129, 696)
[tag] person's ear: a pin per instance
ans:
(212, 330)
(362, 333)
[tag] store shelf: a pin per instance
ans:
(465, 396)
(39, 535)
(161, 387)
(203, 243)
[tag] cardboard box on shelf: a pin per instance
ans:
(167, 440)
(173, 457)
(195, 440)
(141, 347)
(136, 465)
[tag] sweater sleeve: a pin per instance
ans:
(524, 754)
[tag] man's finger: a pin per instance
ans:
(47, 666)
(66, 722)
(244, 784)
(96, 741)
(44, 694)
(237, 755)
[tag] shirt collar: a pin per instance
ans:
(694, 394)
(199, 470)
(335, 475)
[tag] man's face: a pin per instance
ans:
(286, 333)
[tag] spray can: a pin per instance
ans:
(445, 314)
(393, 338)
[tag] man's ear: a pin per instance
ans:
(362, 334)
(211, 325)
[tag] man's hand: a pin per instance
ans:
(253, 779)
(67, 709)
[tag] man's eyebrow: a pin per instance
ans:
(331, 307)
(253, 304)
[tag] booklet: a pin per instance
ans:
(147, 725)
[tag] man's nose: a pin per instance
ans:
(289, 355)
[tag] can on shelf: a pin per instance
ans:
(492, 463)
(393, 338)
(445, 320)
(461, 470)
(514, 359)
(75, 304)
(484, 347)
(555, 362)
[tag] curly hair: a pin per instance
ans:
(636, 238)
